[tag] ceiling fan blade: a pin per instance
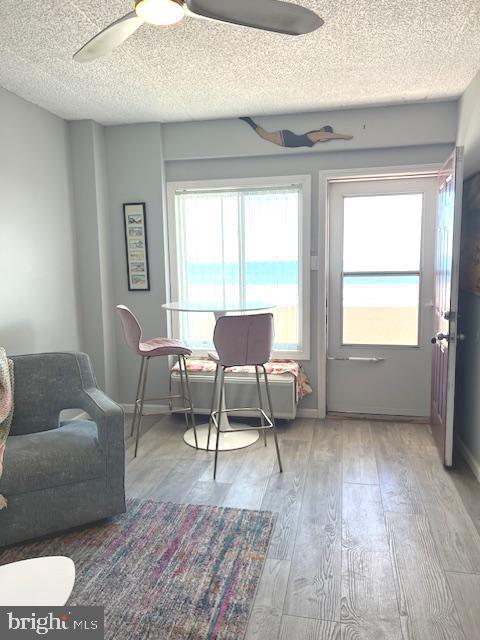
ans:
(109, 38)
(269, 15)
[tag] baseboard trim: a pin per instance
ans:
(154, 409)
(378, 417)
(308, 413)
(469, 458)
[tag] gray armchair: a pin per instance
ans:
(59, 475)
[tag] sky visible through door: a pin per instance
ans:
(381, 269)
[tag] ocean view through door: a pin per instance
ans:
(380, 294)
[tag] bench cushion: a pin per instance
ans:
(273, 367)
(69, 454)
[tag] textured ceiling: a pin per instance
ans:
(368, 52)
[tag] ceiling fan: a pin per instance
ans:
(269, 15)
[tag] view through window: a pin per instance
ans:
(235, 246)
(382, 238)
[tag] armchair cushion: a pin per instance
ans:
(45, 384)
(68, 454)
(60, 474)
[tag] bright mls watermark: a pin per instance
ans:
(25, 623)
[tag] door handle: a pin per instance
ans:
(438, 337)
(449, 315)
(442, 336)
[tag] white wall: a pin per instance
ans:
(38, 301)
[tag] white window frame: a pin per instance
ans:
(171, 254)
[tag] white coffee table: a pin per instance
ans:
(38, 582)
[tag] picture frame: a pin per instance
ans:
(136, 246)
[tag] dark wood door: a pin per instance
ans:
(444, 340)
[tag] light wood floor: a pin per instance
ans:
(374, 538)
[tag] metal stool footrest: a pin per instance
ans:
(217, 414)
(187, 407)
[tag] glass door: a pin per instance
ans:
(380, 296)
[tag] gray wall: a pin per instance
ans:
(38, 300)
(135, 174)
(372, 128)
(467, 402)
(469, 126)
(112, 166)
(310, 164)
(118, 164)
(383, 136)
(467, 414)
(95, 273)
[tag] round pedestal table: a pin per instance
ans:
(230, 438)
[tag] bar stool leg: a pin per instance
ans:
(190, 401)
(260, 405)
(170, 401)
(212, 407)
(272, 418)
(137, 397)
(217, 441)
(142, 400)
(182, 385)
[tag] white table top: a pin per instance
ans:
(219, 308)
(38, 582)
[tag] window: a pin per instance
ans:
(382, 238)
(232, 245)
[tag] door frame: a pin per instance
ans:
(325, 178)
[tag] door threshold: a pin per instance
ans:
(377, 417)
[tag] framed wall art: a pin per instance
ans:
(134, 217)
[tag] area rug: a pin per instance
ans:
(166, 571)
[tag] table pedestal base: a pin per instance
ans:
(230, 438)
(228, 441)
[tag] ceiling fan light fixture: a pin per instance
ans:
(160, 12)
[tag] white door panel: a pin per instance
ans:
(380, 296)
(367, 387)
(445, 317)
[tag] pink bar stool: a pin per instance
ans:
(243, 341)
(153, 349)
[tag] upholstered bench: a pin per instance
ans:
(288, 385)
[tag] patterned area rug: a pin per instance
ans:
(166, 571)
